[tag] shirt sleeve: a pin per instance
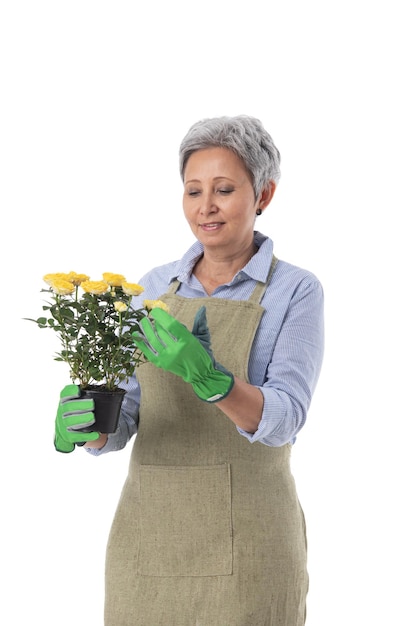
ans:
(128, 423)
(294, 369)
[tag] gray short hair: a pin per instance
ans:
(245, 136)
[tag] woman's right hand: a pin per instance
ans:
(72, 415)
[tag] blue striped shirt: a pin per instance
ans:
(287, 351)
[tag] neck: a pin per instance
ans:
(218, 267)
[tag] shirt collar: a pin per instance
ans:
(257, 268)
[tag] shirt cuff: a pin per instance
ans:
(112, 444)
(127, 427)
(273, 429)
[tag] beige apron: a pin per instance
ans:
(208, 530)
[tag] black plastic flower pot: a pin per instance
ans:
(107, 405)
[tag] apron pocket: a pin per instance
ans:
(185, 520)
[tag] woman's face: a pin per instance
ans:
(219, 201)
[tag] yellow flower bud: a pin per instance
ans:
(120, 307)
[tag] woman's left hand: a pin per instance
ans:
(168, 344)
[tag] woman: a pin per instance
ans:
(209, 530)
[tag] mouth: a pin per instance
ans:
(211, 226)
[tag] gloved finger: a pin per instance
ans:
(169, 327)
(76, 421)
(148, 341)
(69, 392)
(76, 406)
(139, 338)
(171, 330)
(144, 346)
(156, 335)
(63, 446)
(81, 437)
(67, 444)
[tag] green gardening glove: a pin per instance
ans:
(168, 344)
(72, 415)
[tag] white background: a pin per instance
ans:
(95, 99)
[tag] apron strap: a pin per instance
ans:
(257, 293)
(173, 286)
(259, 290)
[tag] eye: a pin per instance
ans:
(193, 192)
(225, 191)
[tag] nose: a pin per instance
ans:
(208, 204)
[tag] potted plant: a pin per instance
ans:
(94, 321)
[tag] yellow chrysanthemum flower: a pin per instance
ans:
(77, 279)
(61, 286)
(120, 307)
(155, 304)
(114, 280)
(50, 278)
(131, 289)
(96, 287)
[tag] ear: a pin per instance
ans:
(266, 195)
